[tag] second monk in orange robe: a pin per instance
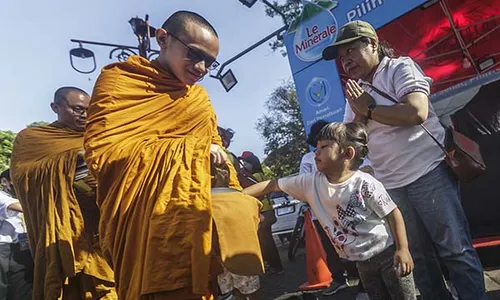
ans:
(60, 208)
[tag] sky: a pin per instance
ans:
(36, 43)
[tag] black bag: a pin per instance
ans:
(462, 154)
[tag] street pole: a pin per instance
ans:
(257, 44)
(143, 32)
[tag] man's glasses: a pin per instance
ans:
(196, 55)
(78, 110)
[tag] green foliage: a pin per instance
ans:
(296, 12)
(38, 123)
(309, 11)
(291, 9)
(283, 132)
(267, 172)
(6, 144)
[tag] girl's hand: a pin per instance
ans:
(403, 263)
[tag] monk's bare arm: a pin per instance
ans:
(262, 188)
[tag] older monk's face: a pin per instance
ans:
(72, 111)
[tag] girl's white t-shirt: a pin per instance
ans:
(352, 212)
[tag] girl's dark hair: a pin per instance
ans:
(348, 135)
(384, 49)
(254, 162)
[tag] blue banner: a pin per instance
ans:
(317, 81)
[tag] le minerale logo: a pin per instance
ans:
(314, 29)
(314, 37)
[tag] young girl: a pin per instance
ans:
(355, 210)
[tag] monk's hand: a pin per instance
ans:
(358, 99)
(218, 155)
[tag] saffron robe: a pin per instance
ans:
(148, 143)
(43, 166)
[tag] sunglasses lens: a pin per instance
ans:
(196, 56)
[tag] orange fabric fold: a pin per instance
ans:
(148, 144)
(43, 166)
(236, 217)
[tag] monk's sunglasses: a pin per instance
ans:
(196, 55)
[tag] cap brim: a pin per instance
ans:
(331, 52)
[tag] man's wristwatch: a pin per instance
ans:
(371, 107)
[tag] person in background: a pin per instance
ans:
(6, 184)
(269, 250)
(307, 163)
(61, 213)
(16, 264)
(338, 267)
(227, 134)
(391, 95)
(235, 282)
(233, 286)
(244, 177)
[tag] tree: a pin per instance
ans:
(295, 12)
(291, 9)
(283, 132)
(38, 123)
(6, 144)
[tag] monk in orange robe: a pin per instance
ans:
(60, 210)
(150, 135)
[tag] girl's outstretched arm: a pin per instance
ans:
(262, 188)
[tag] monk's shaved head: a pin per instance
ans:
(62, 93)
(189, 46)
(177, 22)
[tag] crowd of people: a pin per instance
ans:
(132, 193)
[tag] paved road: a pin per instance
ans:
(275, 286)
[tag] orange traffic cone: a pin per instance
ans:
(318, 275)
